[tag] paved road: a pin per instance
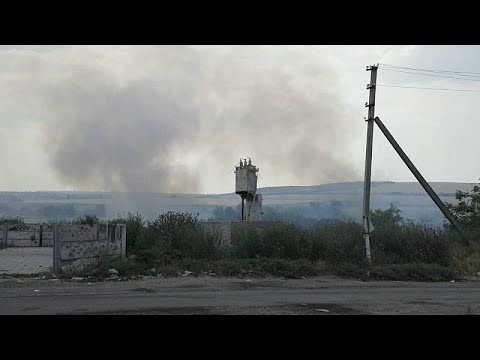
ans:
(26, 260)
(318, 296)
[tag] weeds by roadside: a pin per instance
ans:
(175, 243)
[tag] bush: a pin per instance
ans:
(275, 240)
(173, 231)
(410, 243)
(338, 242)
(11, 220)
(87, 220)
(175, 236)
(465, 260)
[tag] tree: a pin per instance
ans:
(221, 213)
(467, 210)
(389, 217)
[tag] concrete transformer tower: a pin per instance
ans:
(246, 187)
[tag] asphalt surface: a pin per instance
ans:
(235, 296)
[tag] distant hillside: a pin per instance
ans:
(315, 202)
(344, 187)
(356, 186)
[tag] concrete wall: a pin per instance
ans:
(74, 246)
(26, 235)
(77, 246)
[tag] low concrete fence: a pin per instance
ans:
(78, 246)
(31, 235)
(74, 246)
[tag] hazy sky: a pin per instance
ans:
(178, 118)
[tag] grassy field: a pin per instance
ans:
(175, 243)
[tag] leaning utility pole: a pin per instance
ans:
(433, 195)
(368, 159)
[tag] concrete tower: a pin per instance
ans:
(246, 187)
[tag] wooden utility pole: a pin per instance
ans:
(368, 159)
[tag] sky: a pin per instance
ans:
(179, 118)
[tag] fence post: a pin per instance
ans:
(123, 239)
(56, 250)
(40, 236)
(5, 234)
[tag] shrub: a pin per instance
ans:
(87, 220)
(338, 242)
(410, 243)
(274, 240)
(11, 220)
(175, 236)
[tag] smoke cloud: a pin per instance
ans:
(149, 122)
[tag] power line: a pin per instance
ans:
(431, 70)
(426, 88)
(441, 76)
(434, 71)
